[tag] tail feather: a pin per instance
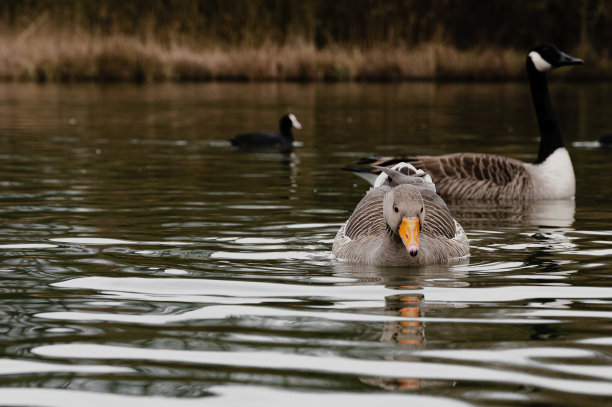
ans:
(361, 169)
(368, 174)
(374, 164)
(367, 160)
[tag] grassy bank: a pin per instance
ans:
(121, 58)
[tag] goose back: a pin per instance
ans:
(470, 175)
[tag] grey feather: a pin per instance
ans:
(367, 238)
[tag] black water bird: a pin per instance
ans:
(259, 140)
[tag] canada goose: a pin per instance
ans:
(606, 140)
(270, 139)
(487, 176)
(403, 222)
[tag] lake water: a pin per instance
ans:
(145, 262)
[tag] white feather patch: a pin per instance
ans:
(380, 179)
(397, 167)
(554, 178)
(540, 63)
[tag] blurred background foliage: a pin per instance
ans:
(580, 25)
(364, 23)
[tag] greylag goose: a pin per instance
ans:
(282, 141)
(487, 176)
(402, 222)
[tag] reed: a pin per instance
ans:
(364, 40)
(121, 58)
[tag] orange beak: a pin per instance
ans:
(409, 232)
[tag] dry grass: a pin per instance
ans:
(82, 57)
(154, 40)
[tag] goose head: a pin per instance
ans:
(545, 57)
(404, 212)
(287, 122)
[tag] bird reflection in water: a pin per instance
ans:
(557, 213)
(408, 333)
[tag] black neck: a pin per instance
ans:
(550, 132)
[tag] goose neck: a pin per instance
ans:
(550, 132)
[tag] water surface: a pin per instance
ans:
(143, 261)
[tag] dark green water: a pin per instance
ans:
(145, 262)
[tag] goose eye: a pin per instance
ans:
(395, 209)
(421, 209)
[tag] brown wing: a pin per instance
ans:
(367, 219)
(477, 176)
(469, 175)
(438, 219)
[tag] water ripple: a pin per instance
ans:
(330, 365)
(145, 261)
(235, 288)
(229, 312)
(226, 395)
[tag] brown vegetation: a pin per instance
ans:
(120, 58)
(196, 40)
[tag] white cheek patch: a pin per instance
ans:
(539, 62)
(295, 122)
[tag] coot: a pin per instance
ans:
(282, 141)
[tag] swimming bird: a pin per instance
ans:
(488, 176)
(402, 222)
(282, 141)
(606, 140)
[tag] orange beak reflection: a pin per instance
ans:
(409, 232)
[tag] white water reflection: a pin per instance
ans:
(27, 246)
(558, 213)
(330, 365)
(550, 214)
(587, 144)
(222, 396)
(221, 312)
(535, 357)
(247, 289)
(114, 242)
(16, 367)
(605, 341)
(284, 255)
